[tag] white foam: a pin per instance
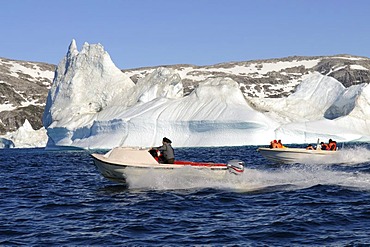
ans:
(282, 178)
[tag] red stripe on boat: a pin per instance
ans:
(191, 163)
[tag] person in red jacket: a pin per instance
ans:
(332, 145)
(274, 144)
(280, 144)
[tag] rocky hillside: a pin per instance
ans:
(24, 85)
(272, 77)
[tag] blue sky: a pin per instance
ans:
(139, 33)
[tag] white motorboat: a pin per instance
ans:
(123, 163)
(297, 155)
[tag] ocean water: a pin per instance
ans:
(58, 198)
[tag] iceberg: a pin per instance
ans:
(24, 137)
(92, 104)
(84, 83)
(5, 143)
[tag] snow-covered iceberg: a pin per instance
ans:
(92, 104)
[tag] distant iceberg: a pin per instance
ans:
(24, 137)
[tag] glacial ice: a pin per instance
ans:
(92, 104)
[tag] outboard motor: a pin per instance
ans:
(236, 166)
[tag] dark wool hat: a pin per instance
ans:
(165, 139)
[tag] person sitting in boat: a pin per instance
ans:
(168, 154)
(274, 144)
(319, 146)
(280, 145)
(310, 147)
(332, 145)
(323, 146)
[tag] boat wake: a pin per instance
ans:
(355, 155)
(351, 169)
(300, 177)
(284, 178)
(348, 156)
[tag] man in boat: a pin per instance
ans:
(280, 145)
(310, 147)
(168, 154)
(274, 144)
(323, 146)
(332, 145)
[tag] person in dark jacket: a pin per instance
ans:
(168, 154)
(324, 146)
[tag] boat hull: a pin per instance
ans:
(296, 155)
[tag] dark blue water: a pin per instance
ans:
(57, 198)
